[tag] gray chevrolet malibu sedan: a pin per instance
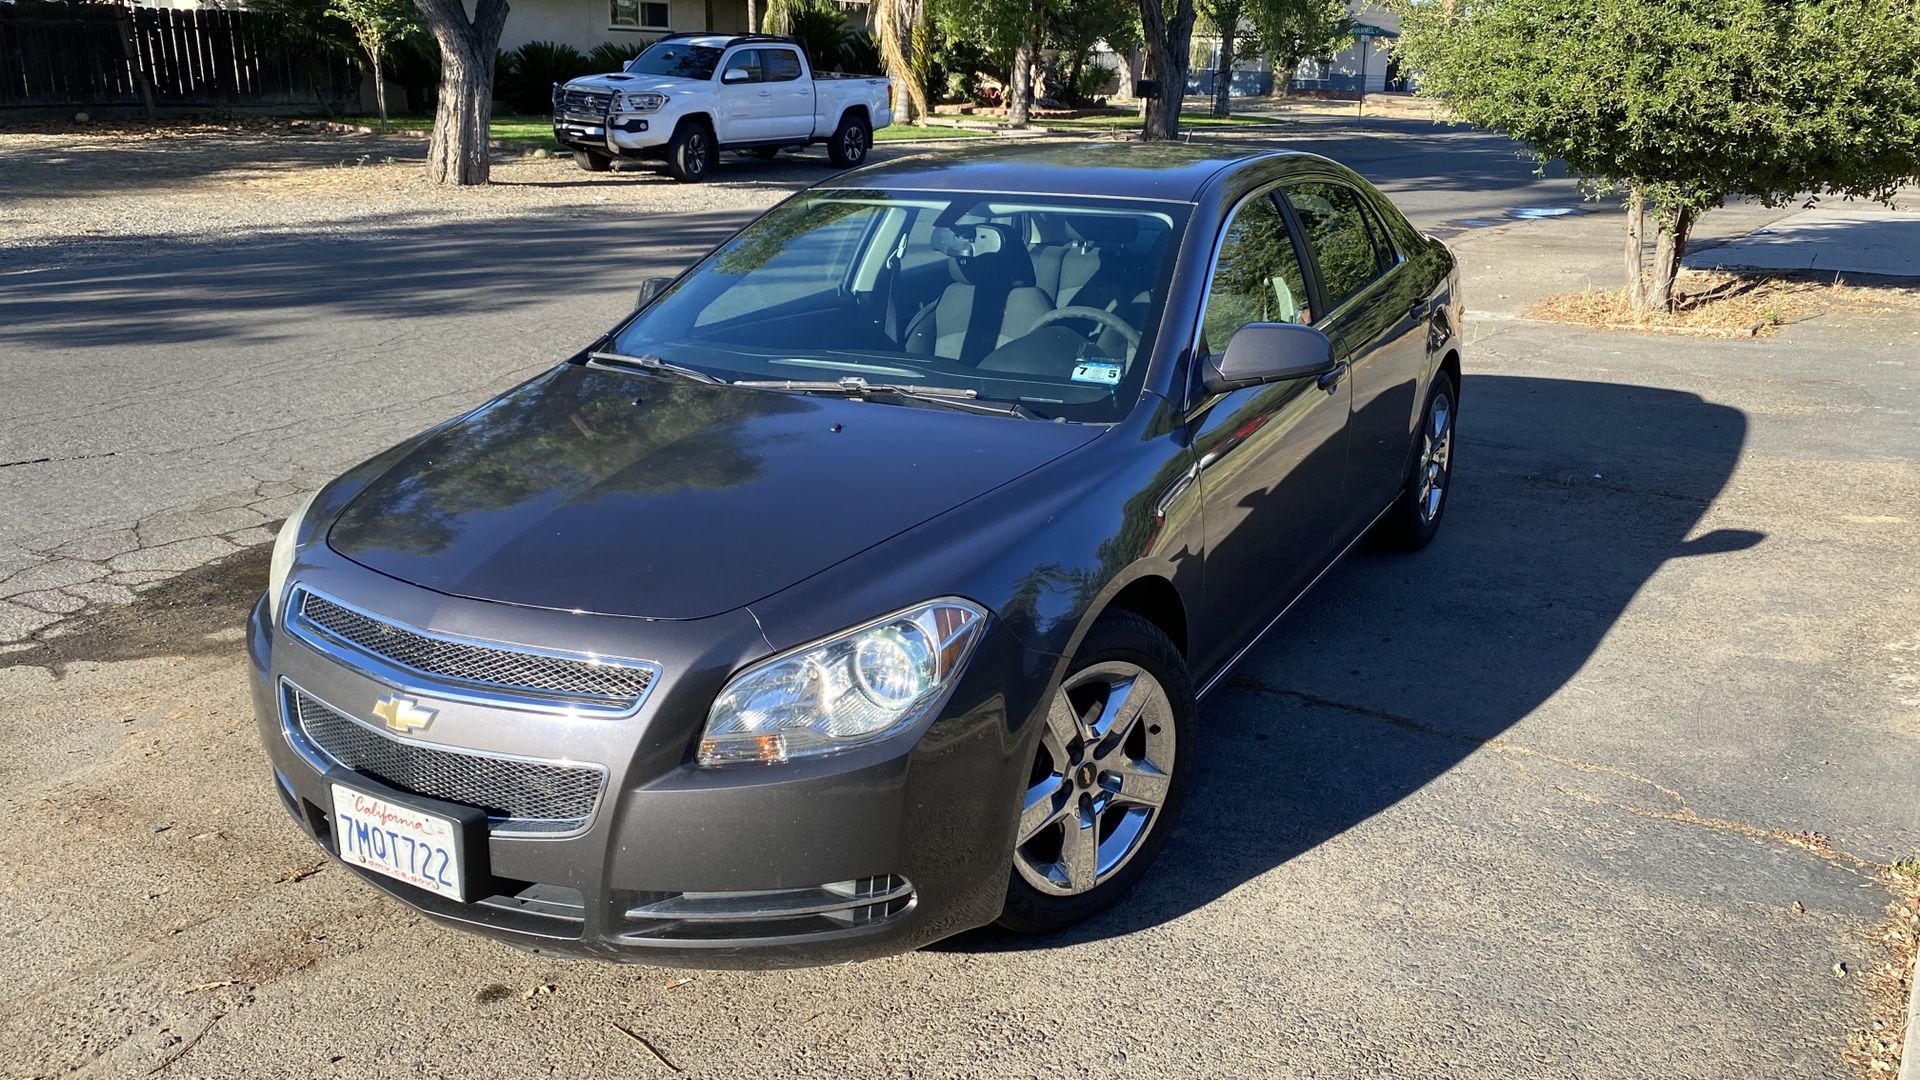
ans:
(862, 586)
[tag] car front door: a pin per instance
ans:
(1271, 459)
(1376, 315)
(789, 97)
(743, 98)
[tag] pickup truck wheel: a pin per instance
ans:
(850, 142)
(1108, 779)
(691, 153)
(591, 161)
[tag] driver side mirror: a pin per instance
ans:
(650, 288)
(1262, 353)
(733, 75)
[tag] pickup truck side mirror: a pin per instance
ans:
(1268, 353)
(734, 75)
(650, 288)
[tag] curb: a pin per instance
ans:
(1909, 1050)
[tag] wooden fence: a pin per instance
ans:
(105, 54)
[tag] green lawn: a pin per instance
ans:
(538, 130)
(1128, 121)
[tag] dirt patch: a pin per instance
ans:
(1728, 305)
(200, 612)
(1874, 1048)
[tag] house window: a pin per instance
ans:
(638, 15)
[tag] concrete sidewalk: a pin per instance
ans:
(1853, 238)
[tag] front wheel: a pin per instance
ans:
(691, 153)
(592, 161)
(1108, 779)
(850, 142)
(1414, 520)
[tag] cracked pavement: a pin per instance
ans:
(1602, 784)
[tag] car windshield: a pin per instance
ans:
(680, 61)
(1048, 302)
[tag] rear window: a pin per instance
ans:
(782, 65)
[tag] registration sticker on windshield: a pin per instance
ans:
(1094, 371)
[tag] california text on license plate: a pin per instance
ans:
(399, 841)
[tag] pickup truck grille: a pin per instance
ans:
(582, 102)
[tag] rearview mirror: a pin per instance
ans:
(1268, 353)
(650, 288)
(734, 75)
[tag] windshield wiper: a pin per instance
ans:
(952, 397)
(653, 363)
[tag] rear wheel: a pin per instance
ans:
(1108, 780)
(850, 142)
(593, 161)
(691, 153)
(1414, 520)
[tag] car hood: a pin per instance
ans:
(649, 496)
(623, 82)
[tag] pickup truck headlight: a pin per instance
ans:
(282, 561)
(642, 102)
(854, 688)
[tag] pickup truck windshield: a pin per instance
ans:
(1048, 301)
(679, 61)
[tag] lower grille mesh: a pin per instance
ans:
(528, 796)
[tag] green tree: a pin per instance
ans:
(1075, 29)
(1287, 31)
(901, 30)
(378, 25)
(1008, 31)
(457, 153)
(1685, 103)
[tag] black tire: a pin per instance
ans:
(851, 141)
(691, 154)
(767, 153)
(1415, 517)
(1117, 639)
(592, 161)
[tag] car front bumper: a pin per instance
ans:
(850, 857)
(620, 134)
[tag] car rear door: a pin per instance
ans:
(743, 98)
(1376, 315)
(1271, 459)
(789, 94)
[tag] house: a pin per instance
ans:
(1365, 66)
(584, 24)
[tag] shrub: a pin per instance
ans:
(533, 68)
(609, 56)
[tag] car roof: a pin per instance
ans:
(1166, 171)
(721, 41)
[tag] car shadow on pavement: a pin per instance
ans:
(1568, 497)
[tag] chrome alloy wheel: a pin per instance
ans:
(853, 143)
(696, 152)
(1099, 781)
(1436, 454)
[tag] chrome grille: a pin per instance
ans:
(584, 102)
(526, 797)
(471, 662)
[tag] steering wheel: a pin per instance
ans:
(1100, 315)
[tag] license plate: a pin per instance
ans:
(403, 842)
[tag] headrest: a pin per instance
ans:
(1103, 228)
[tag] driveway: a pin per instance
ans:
(1604, 783)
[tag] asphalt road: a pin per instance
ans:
(1602, 784)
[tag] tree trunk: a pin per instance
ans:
(457, 153)
(1668, 249)
(1169, 41)
(753, 17)
(1635, 250)
(894, 20)
(1223, 74)
(1020, 87)
(379, 87)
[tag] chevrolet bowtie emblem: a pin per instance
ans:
(402, 714)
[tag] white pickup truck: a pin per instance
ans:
(690, 96)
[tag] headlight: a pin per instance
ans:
(854, 688)
(282, 561)
(642, 102)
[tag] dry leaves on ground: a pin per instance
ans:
(1722, 304)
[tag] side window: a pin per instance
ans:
(1257, 277)
(782, 65)
(1350, 251)
(747, 60)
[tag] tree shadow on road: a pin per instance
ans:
(1568, 497)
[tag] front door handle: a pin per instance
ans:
(1330, 380)
(1418, 310)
